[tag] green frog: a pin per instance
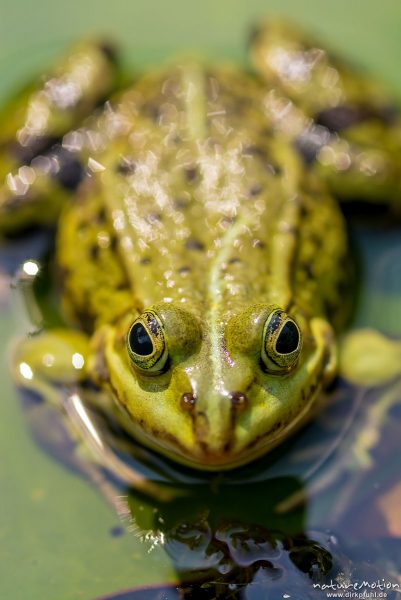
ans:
(202, 255)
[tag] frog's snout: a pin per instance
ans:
(239, 401)
(214, 416)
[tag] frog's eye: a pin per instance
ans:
(282, 342)
(146, 343)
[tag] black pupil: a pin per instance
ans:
(288, 339)
(139, 340)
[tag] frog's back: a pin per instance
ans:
(194, 200)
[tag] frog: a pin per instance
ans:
(201, 251)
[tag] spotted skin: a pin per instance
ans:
(344, 124)
(212, 215)
(207, 203)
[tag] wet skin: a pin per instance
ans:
(203, 258)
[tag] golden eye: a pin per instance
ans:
(282, 342)
(146, 343)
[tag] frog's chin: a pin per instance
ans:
(203, 459)
(207, 461)
(226, 461)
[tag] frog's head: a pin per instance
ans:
(214, 395)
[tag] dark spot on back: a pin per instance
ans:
(239, 107)
(184, 269)
(310, 141)
(193, 244)
(154, 218)
(113, 242)
(100, 216)
(254, 150)
(266, 132)
(255, 191)
(262, 155)
(145, 261)
(343, 116)
(304, 211)
(82, 226)
(36, 145)
(259, 244)
(69, 172)
(94, 252)
(307, 267)
(191, 173)
(226, 221)
(234, 260)
(277, 170)
(181, 203)
(126, 166)
(152, 110)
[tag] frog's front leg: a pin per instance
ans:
(54, 364)
(371, 360)
(344, 125)
(45, 361)
(39, 164)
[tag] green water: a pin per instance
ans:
(58, 536)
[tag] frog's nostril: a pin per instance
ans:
(239, 401)
(188, 400)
